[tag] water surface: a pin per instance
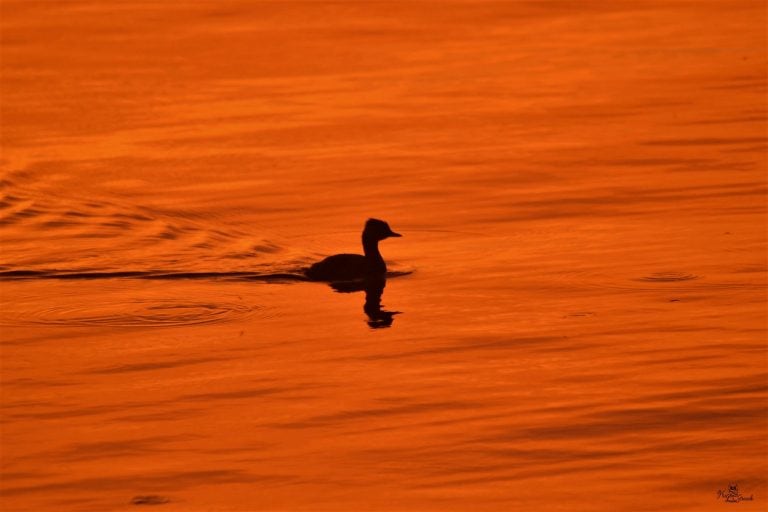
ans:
(581, 190)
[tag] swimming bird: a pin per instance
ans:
(350, 267)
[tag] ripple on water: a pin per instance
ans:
(668, 277)
(67, 231)
(139, 313)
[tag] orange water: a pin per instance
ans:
(581, 187)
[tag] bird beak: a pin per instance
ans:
(392, 233)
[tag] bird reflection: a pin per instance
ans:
(373, 286)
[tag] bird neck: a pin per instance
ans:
(371, 249)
